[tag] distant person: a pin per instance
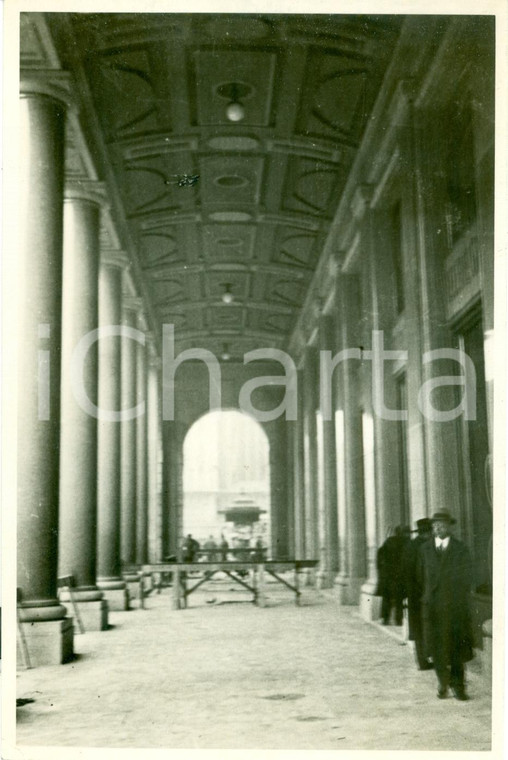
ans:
(391, 576)
(210, 548)
(414, 590)
(224, 549)
(258, 554)
(445, 575)
(190, 548)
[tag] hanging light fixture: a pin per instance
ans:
(227, 296)
(234, 92)
(235, 110)
(225, 356)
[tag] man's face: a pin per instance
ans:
(441, 528)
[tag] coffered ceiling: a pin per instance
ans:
(213, 204)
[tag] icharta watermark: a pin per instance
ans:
(465, 378)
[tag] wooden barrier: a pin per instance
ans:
(180, 573)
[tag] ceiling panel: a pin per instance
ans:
(207, 202)
(215, 67)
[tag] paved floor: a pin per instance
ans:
(226, 674)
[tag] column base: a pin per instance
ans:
(131, 578)
(486, 652)
(93, 614)
(309, 576)
(349, 590)
(48, 643)
(115, 593)
(325, 579)
(370, 604)
(133, 588)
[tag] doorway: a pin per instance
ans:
(226, 482)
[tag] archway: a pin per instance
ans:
(226, 481)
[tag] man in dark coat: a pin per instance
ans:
(390, 576)
(445, 574)
(414, 590)
(190, 548)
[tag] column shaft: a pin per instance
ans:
(328, 536)
(310, 454)
(349, 433)
(39, 341)
(109, 578)
(141, 460)
(154, 462)
(298, 475)
(78, 437)
(128, 445)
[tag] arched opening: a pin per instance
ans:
(226, 482)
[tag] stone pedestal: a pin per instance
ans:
(370, 605)
(486, 653)
(92, 608)
(116, 594)
(48, 642)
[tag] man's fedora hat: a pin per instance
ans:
(424, 524)
(444, 517)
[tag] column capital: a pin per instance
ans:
(86, 190)
(133, 303)
(154, 359)
(360, 200)
(51, 83)
(136, 305)
(114, 258)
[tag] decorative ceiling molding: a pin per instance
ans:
(227, 333)
(284, 270)
(36, 46)
(187, 306)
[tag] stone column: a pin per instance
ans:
(383, 486)
(128, 445)
(352, 519)
(78, 435)
(43, 105)
(298, 475)
(154, 419)
(141, 453)
(172, 511)
(328, 534)
(276, 432)
(310, 389)
(108, 468)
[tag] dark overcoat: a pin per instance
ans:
(445, 579)
(412, 586)
(390, 568)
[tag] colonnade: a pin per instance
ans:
(83, 494)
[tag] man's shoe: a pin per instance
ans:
(460, 693)
(442, 693)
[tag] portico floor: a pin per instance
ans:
(227, 674)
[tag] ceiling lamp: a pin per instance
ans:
(225, 356)
(234, 93)
(227, 296)
(235, 111)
